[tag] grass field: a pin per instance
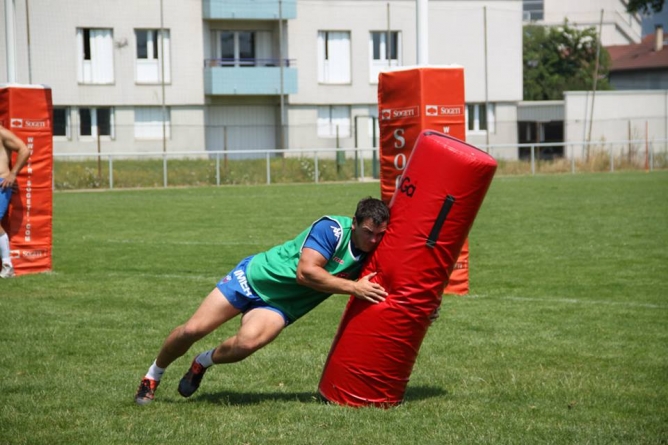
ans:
(562, 340)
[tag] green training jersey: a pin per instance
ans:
(273, 274)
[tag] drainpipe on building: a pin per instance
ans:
(281, 132)
(162, 82)
(484, 12)
(422, 30)
(10, 39)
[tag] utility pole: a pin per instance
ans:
(598, 52)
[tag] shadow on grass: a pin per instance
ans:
(413, 393)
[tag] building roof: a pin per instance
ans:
(639, 56)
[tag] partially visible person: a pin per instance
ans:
(9, 142)
(275, 288)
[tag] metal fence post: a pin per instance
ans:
(315, 163)
(651, 157)
(164, 170)
(111, 172)
(268, 170)
(218, 168)
(356, 163)
(533, 160)
(362, 164)
(612, 159)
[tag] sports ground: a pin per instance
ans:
(563, 338)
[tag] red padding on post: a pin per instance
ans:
(28, 112)
(376, 346)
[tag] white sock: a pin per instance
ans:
(205, 358)
(4, 249)
(155, 372)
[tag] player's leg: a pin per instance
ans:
(259, 326)
(214, 311)
(7, 269)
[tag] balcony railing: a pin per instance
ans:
(249, 77)
(249, 9)
(230, 62)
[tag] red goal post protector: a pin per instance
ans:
(410, 101)
(431, 213)
(27, 111)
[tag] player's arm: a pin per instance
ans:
(311, 272)
(14, 143)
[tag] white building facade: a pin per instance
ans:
(184, 76)
(617, 26)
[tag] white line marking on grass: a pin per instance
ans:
(184, 243)
(162, 275)
(576, 301)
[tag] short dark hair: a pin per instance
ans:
(372, 208)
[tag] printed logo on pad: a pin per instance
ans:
(399, 113)
(406, 187)
(28, 123)
(444, 110)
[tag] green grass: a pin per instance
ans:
(562, 340)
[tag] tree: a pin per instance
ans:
(644, 6)
(558, 59)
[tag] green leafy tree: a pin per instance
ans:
(558, 59)
(645, 6)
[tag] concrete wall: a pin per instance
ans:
(617, 116)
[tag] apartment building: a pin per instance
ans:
(193, 75)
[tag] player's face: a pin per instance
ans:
(367, 235)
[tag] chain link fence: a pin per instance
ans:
(226, 167)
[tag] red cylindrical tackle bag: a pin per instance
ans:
(431, 213)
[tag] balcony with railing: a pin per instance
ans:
(249, 9)
(249, 77)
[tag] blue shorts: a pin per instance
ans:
(5, 197)
(235, 287)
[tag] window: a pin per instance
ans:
(150, 43)
(384, 50)
(237, 48)
(334, 56)
(96, 121)
(61, 121)
(148, 123)
(479, 118)
(532, 10)
(95, 56)
(333, 121)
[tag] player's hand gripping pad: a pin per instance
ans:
(431, 213)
